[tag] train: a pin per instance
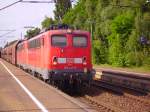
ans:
(55, 55)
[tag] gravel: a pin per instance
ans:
(119, 101)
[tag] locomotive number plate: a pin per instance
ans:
(70, 60)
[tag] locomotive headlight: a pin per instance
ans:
(69, 31)
(55, 60)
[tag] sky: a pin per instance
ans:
(20, 15)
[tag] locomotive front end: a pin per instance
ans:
(70, 53)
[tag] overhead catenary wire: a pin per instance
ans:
(2, 39)
(6, 30)
(10, 5)
(21, 1)
(52, 1)
(32, 1)
(7, 33)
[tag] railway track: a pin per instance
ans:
(123, 91)
(107, 86)
(108, 107)
(103, 107)
(105, 99)
(135, 81)
(117, 88)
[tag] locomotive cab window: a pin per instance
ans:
(80, 41)
(59, 41)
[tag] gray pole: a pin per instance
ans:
(21, 35)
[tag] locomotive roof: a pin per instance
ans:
(11, 43)
(62, 31)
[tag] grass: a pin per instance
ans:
(142, 69)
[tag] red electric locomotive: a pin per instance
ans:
(58, 54)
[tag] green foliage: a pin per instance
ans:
(90, 8)
(147, 61)
(134, 59)
(99, 52)
(69, 17)
(33, 32)
(116, 27)
(122, 23)
(47, 22)
(121, 28)
(133, 42)
(116, 50)
(62, 6)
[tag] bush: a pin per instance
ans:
(134, 59)
(146, 61)
(99, 52)
(130, 59)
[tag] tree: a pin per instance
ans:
(62, 7)
(47, 22)
(100, 52)
(33, 32)
(118, 26)
(121, 28)
(77, 16)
